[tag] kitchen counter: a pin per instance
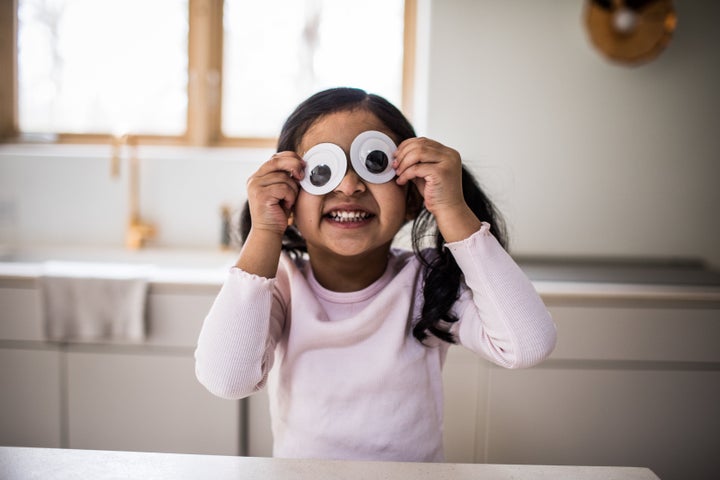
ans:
(637, 343)
(44, 463)
(554, 278)
(622, 279)
(202, 270)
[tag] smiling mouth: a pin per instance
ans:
(344, 216)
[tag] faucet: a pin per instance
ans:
(137, 232)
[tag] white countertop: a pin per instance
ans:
(552, 278)
(45, 463)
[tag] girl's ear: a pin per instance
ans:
(413, 202)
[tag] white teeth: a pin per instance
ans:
(348, 216)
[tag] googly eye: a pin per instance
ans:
(326, 167)
(371, 156)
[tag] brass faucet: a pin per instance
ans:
(137, 232)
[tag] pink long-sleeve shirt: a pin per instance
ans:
(346, 377)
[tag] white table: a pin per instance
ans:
(18, 463)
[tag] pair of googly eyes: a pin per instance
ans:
(370, 154)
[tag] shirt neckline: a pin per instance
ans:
(356, 296)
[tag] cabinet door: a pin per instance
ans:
(665, 420)
(146, 402)
(464, 380)
(30, 406)
(259, 432)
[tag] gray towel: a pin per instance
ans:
(94, 302)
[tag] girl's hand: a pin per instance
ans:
(272, 191)
(436, 171)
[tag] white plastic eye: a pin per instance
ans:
(326, 167)
(371, 156)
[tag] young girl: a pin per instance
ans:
(350, 334)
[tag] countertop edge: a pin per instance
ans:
(549, 290)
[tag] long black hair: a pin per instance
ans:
(442, 276)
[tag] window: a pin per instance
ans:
(208, 72)
(88, 66)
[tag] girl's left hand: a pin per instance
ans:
(436, 171)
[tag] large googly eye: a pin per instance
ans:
(325, 169)
(371, 154)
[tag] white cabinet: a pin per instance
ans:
(634, 380)
(664, 418)
(30, 402)
(259, 433)
(145, 402)
(464, 380)
(116, 397)
(631, 382)
(30, 374)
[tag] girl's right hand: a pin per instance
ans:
(272, 191)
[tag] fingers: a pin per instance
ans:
(281, 174)
(273, 189)
(276, 188)
(288, 162)
(425, 158)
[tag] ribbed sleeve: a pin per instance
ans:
(234, 350)
(502, 318)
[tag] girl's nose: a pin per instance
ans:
(351, 184)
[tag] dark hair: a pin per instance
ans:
(442, 277)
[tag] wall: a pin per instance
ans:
(66, 195)
(584, 157)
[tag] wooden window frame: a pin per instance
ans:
(205, 52)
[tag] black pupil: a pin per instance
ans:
(376, 161)
(320, 175)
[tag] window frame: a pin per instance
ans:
(205, 51)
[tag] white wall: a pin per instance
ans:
(584, 157)
(60, 194)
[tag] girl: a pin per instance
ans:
(350, 334)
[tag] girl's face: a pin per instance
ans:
(356, 217)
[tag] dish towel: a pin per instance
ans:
(94, 302)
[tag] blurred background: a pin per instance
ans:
(129, 129)
(584, 155)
